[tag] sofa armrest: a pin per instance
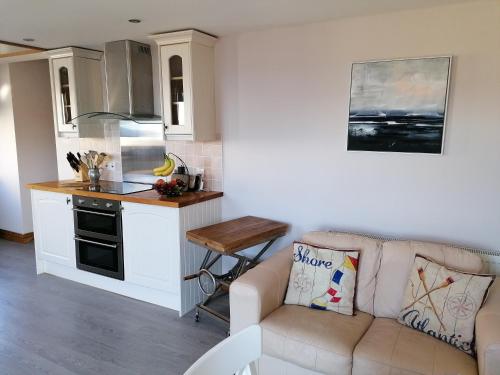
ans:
(259, 291)
(488, 332)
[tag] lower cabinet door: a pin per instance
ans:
(151, 246)
(53, 227)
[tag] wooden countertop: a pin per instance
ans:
(144, 197)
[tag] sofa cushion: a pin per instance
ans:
(369, 261)
(313, 339)
(389, 348)
(443, 303)
(322, 278)
(397, 260)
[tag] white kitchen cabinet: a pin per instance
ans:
(76, 82)
(156, 253)
(151, 246)
(53, 229)
(186, 66)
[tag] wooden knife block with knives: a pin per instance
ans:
(80, 169)
(82, 174)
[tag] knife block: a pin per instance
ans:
(83, 174)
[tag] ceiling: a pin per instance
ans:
(89, 23)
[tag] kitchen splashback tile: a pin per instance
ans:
(110, 144)
(204, 155)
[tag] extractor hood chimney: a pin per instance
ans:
(129, 89)
(129, 78)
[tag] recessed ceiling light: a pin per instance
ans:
(28, 39)
(134, 20)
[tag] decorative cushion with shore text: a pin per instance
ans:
(323, 278)
(443, 303)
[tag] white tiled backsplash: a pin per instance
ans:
(110, 144)
(205, 155)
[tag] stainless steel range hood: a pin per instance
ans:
(129, 84)
(129, 90)
(129, 78)
(130, 110)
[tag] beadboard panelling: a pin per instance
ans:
(191, 255)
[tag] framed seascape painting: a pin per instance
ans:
(399, 105)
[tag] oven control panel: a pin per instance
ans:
(96, 203)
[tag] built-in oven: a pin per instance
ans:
(98, 236)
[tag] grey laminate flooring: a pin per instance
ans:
(50, 325)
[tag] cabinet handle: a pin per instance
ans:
(96, 243)
(68, 200)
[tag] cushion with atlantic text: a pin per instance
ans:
(443, 302)
(323, 278)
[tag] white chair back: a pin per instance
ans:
(234, 355)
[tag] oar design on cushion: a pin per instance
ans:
(447, 282)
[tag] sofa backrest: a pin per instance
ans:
(397, 260)
(369, 261)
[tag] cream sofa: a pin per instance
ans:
(299, 340)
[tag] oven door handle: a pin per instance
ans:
(95, 243)
(94, 212)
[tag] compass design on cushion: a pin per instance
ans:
(461, 306)
(302, 282)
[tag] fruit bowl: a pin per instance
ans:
(169, 189)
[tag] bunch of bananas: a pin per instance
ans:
(166, 169)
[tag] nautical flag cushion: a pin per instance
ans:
(443, 303)
(323, 278)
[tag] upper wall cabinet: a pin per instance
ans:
(186, 66)
(76, 86)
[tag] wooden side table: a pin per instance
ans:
(227, 239)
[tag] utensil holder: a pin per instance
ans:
(94, 176)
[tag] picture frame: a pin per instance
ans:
(399, 105)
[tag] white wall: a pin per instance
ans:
(283, 96)
(26, 140)
(34, 125)
(10, 191)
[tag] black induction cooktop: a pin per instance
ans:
(120, 188)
